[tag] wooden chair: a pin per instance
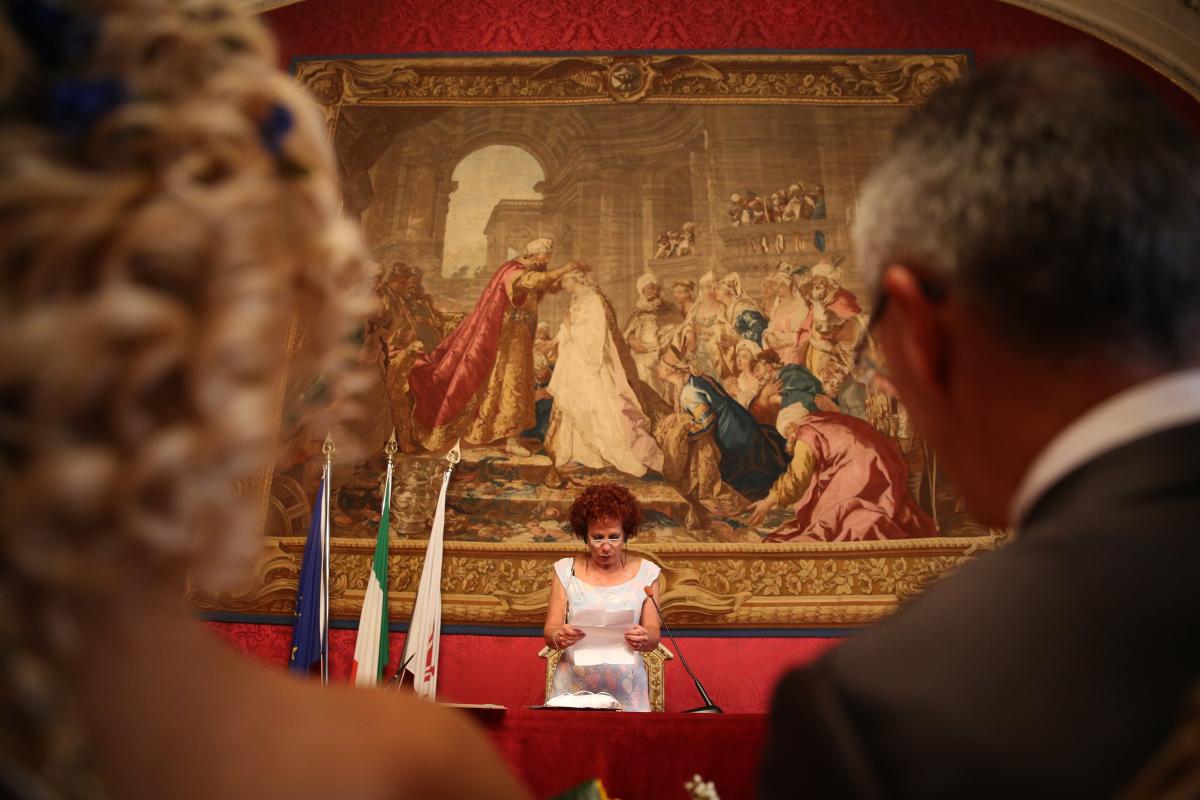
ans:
(655, 662)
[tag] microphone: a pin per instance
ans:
(709, 706)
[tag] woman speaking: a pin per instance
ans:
(604, 578)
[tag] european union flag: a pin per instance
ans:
(306, 630)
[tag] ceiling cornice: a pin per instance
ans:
(1163, 34)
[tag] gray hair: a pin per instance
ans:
(1060, 198)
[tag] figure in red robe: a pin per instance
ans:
(846, 482)
(477, 384)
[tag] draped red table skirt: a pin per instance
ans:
(636, 756)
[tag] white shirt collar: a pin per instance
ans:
(1137, 412)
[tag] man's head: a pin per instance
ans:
(1034, 231)
(649, 286)
(398, 278)
(821, 288)
(412, 283)
(538, 252)
(789, 420)
(765, 365)
(826, 280)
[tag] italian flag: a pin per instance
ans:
(371, 644)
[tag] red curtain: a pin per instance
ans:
(737, 672)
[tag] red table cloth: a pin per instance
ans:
(636, 756)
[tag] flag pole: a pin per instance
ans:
(391, 449)
(328, 449)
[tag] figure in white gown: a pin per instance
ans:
(597, 420)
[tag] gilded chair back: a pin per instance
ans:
(655, 662)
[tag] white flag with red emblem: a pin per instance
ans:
(422, 644)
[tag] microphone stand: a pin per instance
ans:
(709, 706)
(398, 678)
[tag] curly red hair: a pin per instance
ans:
(605, 501)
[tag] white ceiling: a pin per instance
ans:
(1163, 33)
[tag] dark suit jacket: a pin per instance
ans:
(1053, 667)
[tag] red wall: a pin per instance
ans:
(737, 672)
(988, 28)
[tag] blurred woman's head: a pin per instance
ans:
(168, 217)
(168, 211)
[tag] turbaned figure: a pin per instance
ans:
(477, 384)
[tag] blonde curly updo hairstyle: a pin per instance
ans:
(168, 209)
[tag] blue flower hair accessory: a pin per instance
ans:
(275, 127)
(63, 40)
(60, 40)
(76, 105)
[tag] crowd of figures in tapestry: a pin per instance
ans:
(590, 293)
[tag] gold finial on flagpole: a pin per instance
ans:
(391, 448)
(328, 448)
(455, 454)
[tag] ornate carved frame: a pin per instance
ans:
(706, 585)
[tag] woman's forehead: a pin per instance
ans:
(604, 523)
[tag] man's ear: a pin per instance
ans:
(916, 332)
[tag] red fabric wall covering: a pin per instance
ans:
(989, 28)
(738, 673)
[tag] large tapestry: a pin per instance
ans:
(630, 269)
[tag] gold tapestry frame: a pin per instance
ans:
(706, 585)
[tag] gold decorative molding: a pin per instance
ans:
(705, 585)
(892, 79)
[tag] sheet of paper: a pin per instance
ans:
(604, 639)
